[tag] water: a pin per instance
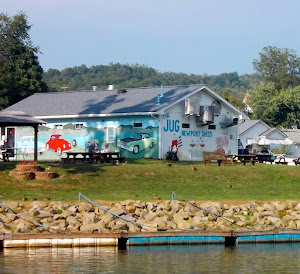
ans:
(262, 258)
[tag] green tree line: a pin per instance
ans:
(130, 76)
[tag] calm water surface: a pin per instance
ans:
(263, 258)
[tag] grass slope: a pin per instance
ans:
(140, 179)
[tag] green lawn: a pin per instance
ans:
(140, 179)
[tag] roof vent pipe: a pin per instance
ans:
(158, 101)
(161, 91)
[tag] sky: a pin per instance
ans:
(192, 36)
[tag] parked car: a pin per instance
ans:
(137, 142)
(58, 144)
(26, 145)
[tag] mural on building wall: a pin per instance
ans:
(222, 142)
(58, 144)
(26, 145)
(193, 139)
(137, 142)
(53, 143)
(192, 142)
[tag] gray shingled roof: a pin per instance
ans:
(101, 102)
(270, 130)
(247, 124)
(292, 134)
(18, 118)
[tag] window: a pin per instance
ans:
(185, 125)
(211, 126)
(58, 127)
(137, 124)
(110, 135)
(78, 126)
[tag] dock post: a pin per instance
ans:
(230, 241)
(122, 243)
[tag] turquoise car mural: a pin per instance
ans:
(137, 142)
(26, 145)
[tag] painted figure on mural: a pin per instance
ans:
(175, 150)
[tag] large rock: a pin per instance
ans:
(14, 206)
(171, 225)
(184, 225)
(34, 211)
(177, 217)
(43, 215)
(280, 206)
(100, 226)
(270, 213)
(149, 217)
(87, 228)
(22, 226)
(59, 223)
(85, 207)
(191, 209)
(151, 206)
(99, 211)
(4, 219)
(128, 203)
(89, 217)
(119, 227)
(119, 210)
(133, 228)
(106, 218)
(175, 206)
(273, 220)
(197, 222)
(160, 222)
(71, 220)
(143, 213)
(165, 206)
(73, 209)
(4, 228)
(73, 228)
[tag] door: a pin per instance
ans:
(10, 137)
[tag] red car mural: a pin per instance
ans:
(58, 144)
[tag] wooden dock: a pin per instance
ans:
(122, 240)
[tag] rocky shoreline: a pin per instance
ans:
(64, 217)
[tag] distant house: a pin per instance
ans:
(256, 134)
(139, 122)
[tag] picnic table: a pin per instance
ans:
(107, 157)
(245, 158)
(91, 157)
(73, 157)
(265, 158)
(8, 152)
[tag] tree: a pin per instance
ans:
(20, 72)
(229, 95)
(278, 66)
(276, 98)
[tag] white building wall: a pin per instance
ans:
(276, 135)
(194, 140)
(253, 133)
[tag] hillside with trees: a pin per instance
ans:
(230, 85)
